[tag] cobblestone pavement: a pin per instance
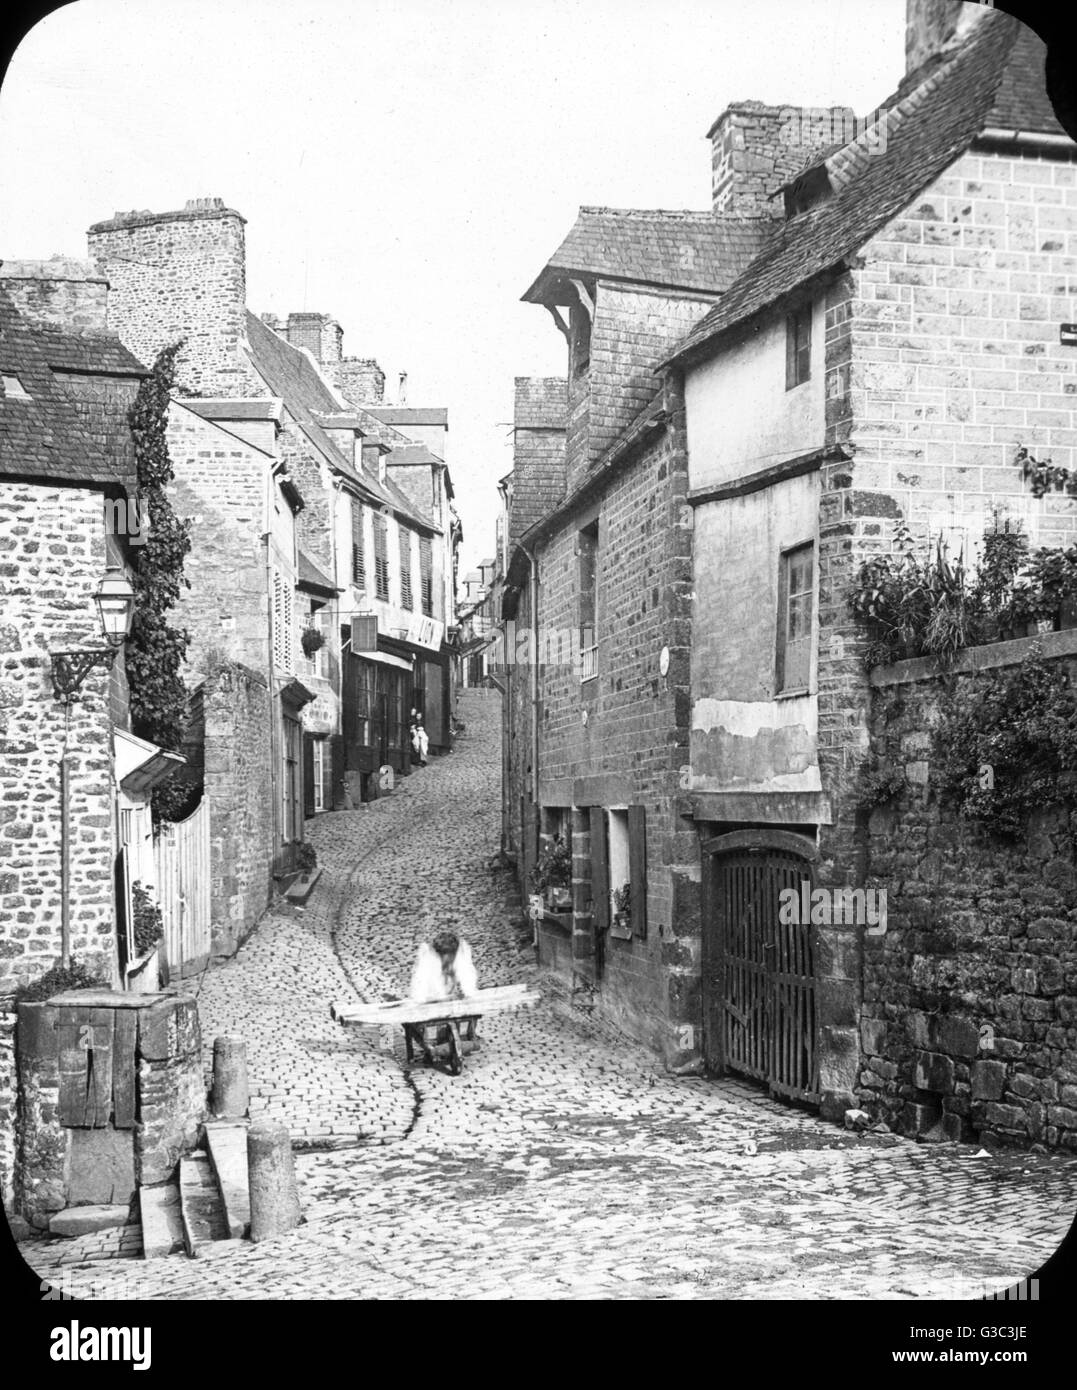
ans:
(563, 1162)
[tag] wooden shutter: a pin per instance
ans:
(600, 870)
(426, 578)
(358, 554)
(405, 567)
(637, 867)
(308, 776)
(381, 557)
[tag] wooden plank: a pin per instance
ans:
(124, 1074)
(74, 1065)
(600, 871)
(99, 1089)
(637, 868)
(394, 1011)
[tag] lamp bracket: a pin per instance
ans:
(70, 669)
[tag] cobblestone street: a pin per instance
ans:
(563, 1162)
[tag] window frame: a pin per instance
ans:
(785, 597)
(798, 345)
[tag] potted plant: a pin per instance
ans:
(552, 876)
(621, 922)
(312, 640)
(306, 859)
(147, 929)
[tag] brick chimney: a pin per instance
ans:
(755, 149)
(178, 275)
(318, 333)
(61, 291)
(358, 379)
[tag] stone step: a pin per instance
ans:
(85, 1220)
(162, 1223)
(201, 1208)
(227, 1144)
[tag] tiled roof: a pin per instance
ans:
(411, 454)
(268, 409)
(56, 429)
(312, 574)
(411, 415)
(974, 87)
(290, 374)
(680, 250)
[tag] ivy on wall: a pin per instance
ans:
(1008, 746)
(156, 649)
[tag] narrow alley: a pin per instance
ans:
(563, 1162)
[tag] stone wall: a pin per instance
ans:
(635, 738)
(52, 556)
(969, 1020)
(358, 379)
(64, 292)
(8, 1094)
(179, 275)
(238, 786)
(220, 486)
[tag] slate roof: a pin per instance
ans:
(311, 574)
(411, 454)
(268, 409)
(679, 250)
(993, 78)
(410, 415)
(290, 374)
(62, 432)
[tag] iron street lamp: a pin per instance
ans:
(115, 600)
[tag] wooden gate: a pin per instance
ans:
(183, 890)
(758, 976)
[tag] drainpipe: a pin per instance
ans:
(274, 759)
(65, 847)
(533, 562)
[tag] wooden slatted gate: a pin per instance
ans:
(758, 976)
(182, 855)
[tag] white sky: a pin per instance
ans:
(410, 166)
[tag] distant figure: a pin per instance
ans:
(443, 970)
(420, 742)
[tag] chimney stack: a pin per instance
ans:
(322, 336)
(756, 149)
(61, 291)
(175, 275)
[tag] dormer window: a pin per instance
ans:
(809, 188)
(13, 389)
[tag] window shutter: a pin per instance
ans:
(358, 556)
(637, 867)
(426, 578)
(308, 775)
(405, 567)
(600, 870)
(381, 557)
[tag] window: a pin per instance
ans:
(318, 662)
(320, 751)
(798, 347)
(587, 550)
(426, 575)
(795, 602)
(358, 554)
(14, 389)
(619, 871)
(291, 821)
(404, 537)
(381, 557)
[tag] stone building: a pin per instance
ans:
(67, 475)
(886, 341)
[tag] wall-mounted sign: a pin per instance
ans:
(1067, 334)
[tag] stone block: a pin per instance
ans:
(917, 1118)
(1005, 1116)
(873, 1036)
(959, 1037)
(988, 1080)
(934, 1071)
(101, 1168)
(83, 1221)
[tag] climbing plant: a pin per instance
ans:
(155, 649)
(1007, 745)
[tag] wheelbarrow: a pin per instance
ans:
(441, 1026)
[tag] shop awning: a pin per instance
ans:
(141, 765)
(386, 659)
